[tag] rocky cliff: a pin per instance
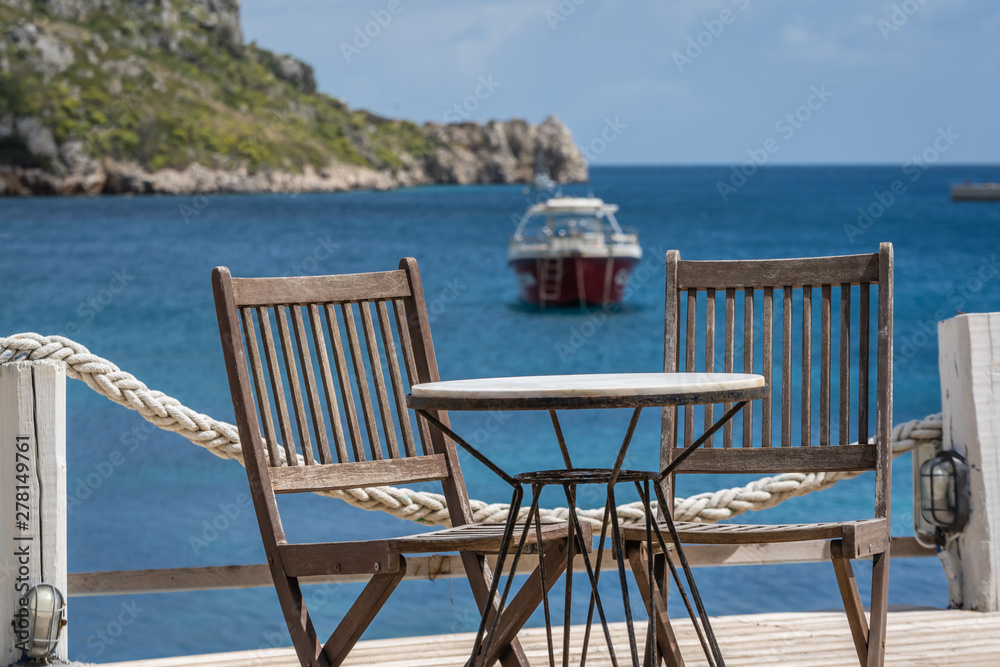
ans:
(144, 96)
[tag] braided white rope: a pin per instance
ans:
(223, 440)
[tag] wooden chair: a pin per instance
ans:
(321, 407)
(787, 339)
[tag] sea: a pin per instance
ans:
(128, 277)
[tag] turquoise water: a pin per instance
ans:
(129, 278)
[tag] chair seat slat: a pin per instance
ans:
(723, 533)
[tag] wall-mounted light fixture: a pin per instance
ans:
(944, 491)
(46, 618)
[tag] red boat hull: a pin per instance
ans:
(573, 281)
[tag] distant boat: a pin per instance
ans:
(571, 251)
(969, 191)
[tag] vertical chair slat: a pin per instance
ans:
(277, 387)
(727, 430)
(709, 355)
(824, 368)
(375, 361)
(807, 317)
(293, 384)
(786, 367)
(410, 366)
(845, 363)
(374, 442)
(748, 361)
(398, 393)
(883, 417)
(767, 364)
(333, 410)
(344, 378)
(312, 389)
(253, 352)
(671, 334)
(689, 363)
(863, 342)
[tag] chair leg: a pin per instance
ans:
(852, 600)
(300, 627)
(527, 599)
(879, 609)
(665, 636)
(361, 614)
(477, 571)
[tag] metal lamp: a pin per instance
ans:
(944, 491)
(46, 614)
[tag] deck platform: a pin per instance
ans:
(818, 639)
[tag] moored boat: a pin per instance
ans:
(976, 192)
(572, 251)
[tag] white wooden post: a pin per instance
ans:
(33, 529)
(969, 359)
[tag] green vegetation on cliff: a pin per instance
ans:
(168, 83)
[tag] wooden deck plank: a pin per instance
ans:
(918, 637)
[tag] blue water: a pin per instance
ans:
(129, 278)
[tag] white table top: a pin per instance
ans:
(606, 384)
(658, 388)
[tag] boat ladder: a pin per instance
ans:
(550, 279)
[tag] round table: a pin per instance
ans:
(591, 391)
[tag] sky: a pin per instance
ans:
(670, 82)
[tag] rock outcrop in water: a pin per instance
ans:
(163, 96)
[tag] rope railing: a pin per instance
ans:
(222, 439)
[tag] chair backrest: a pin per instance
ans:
(769, 326)
(319, 384)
